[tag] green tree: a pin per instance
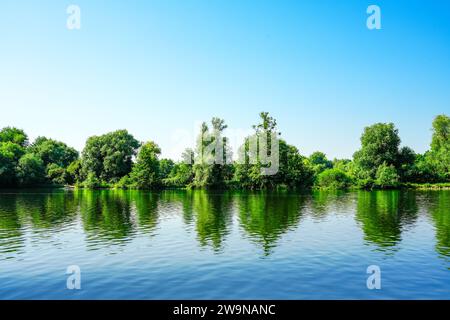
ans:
(250, 170)
(14, 135)
(379, 144)
(293, 169)
(53, 152)
(56, 174)
(30, 170)
(319, 162)
(10, 153)
(440, 146)
(212, 168)
(109, 157)
(182, 174)
(74, 172)
(7, 166)
(165, 168)
(333, 179)
(386, 176)
(405, 164)
(423, 170)
(91, 182)
(145, 173)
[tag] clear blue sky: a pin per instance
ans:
(155, 67)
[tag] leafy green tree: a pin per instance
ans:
(74, 172)
(319, 162)
(91, 182)
(14, 135)
(379, 144)
(10, 153)
(345, 165)
(7, 167)
(386, 176)
(145, 173)
(293, 171)
(333, 179)
(165, 168)
(249, 172)
(182, 174)
(423, 170)
(212, 168)
(56, 174)
(440, 146)
(53, 152)
(16, 151)
(405, 164)
(30, 170)
(109, 157)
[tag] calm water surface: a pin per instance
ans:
(224, 245)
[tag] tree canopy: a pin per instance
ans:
(264, 161)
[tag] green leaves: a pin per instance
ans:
(14, 135)
(440, 146)
(334, 179)
(109, 160)
(109, 157)
(30, 170)
(145, 173)
(387, 176)
(379, 144)
(53, 152)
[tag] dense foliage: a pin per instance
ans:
(117, 159)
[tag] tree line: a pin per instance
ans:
(117, 159)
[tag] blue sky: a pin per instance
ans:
(160, 67)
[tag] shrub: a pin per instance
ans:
(387, 176)
(333, 179)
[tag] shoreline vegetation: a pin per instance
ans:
(117, 160)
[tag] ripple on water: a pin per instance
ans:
(186, 245)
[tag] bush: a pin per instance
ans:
(387, 176)
(124, 183)
(91, 182)
(56, 174)
(333, 179)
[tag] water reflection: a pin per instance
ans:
(440, 213)
(42, 215)
(322, 203)
(108, 218)
(384, 215)
(213, 212)
(267, 216)
(146, 204)
(11, 239)
(106, 215)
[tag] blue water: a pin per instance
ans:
(224, 245)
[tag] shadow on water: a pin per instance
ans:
(383, 216)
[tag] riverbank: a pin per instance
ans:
(413, 186)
